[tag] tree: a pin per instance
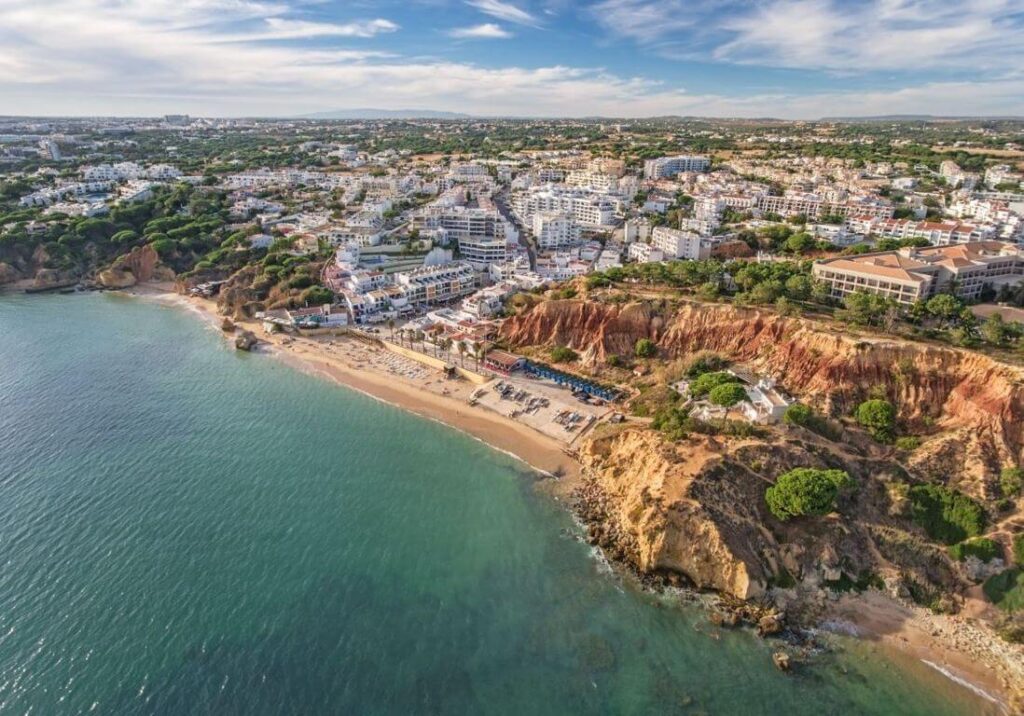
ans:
(944, 306)
(705, 383)
(994, 330)
(645, 348)
(727, 395)
(806, 491)
(1011, 479)
(879, 417)
(798, 414)
(563, 354)
(317, 296)
(946, 515)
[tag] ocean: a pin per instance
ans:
(185, 529)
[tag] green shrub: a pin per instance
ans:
(563, 354)
(981, 547)
(798, 414)
(1018, 548)
(1006, 589)
(879, 417)
(645, 348)
(727, 394)
(706, 382)
(1011, 480)
(946, 515)
(705, 362)
(908, 443)
(806, 491)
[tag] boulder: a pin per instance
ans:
(227, 325)
(782, 661)
(246, 341)
(770, 624)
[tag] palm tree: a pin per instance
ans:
(474, 348)
(391, 325)
(421, 336)
(462, 352)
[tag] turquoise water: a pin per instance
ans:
(186, 529)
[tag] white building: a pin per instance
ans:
(645, 253)
(676, 244)
(555, 230)
(665, 167)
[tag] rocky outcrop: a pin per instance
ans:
(9, 274)
(935, 388)
(246, 341)
(140, 265)
(696, 508)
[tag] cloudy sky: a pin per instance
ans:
(623, 58)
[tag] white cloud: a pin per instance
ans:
(153, 57)
(503, 11)
(834, 35)
(487, 30)
(282, 29)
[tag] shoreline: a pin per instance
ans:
(951, 646)
(445, 404)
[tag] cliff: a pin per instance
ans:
(977, 402)
(140, 265)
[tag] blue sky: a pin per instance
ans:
(782, 58)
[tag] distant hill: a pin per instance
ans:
(385, 114)
(918, 118)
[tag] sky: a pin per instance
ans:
(793, 59)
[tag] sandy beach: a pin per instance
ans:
(954, 645)
(398, 381)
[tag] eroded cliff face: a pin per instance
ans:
(140, 265)
(935, 388)
(697, 508)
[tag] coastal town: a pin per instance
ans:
(655, 298)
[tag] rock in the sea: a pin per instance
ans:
(782, 661)
(769, 625)
(227, 325)
(246, 341)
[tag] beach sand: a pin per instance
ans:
(398, 381)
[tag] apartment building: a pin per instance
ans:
(644, 253)
(555, 230)
(912, 274)
(937, 233)
(814, 207)
(436, 284)
(665, 167)
(676, 244)
(586, 208)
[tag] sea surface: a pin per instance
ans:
(185, 529)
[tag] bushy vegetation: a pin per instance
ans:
(645, 348)
(705, 362)
(879, 417)
(727, 395)
(805, 417)
(703, 384)
(946, 515)
(981, 547)
(1011, 479)
(1006, 589)
(1018, 548)
(563, 354)
(806, 491)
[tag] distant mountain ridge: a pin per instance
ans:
(368, 113)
